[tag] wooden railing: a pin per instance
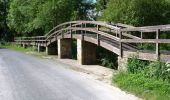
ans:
(121, 34)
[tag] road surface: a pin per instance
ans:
(23, 77)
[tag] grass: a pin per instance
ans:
(18, 48)
(148, 80)
(146, 88)
(15, 47)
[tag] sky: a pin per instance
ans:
(94, 0)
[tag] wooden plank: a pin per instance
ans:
(148, 28)
(145, 40)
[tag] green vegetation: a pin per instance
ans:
(106, 58)
(15, 47)
(149, 80)
(37, 17)
(136, 12)
(28, 50)
(149, 89)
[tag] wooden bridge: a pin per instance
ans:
(120, 39)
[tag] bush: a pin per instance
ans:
(135, 65)
(158, 70)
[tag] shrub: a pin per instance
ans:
(107, 62)
(107, 58)
(158, 70)
(135, 65)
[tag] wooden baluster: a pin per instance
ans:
(21, 41)
(141, 35)
(120, 45)
(157, 44)
(85, 25)
(82, 33)
(98, 36)
(71, 33)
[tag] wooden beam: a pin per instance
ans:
(146, 41)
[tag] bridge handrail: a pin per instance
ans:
(83, 22)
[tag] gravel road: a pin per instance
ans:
(24, 77)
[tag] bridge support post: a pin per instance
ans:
(64, 48)
(86, 52)
(122, 63)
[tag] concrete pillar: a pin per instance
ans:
(122, 63)
(64, 48)
(86, 52)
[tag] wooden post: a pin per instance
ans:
(82, 34)
(157, 44)
(120, 45)
(85, 27)
(98, 36)
(98, 28)
(141, 35)
(71, 31)
(98, 39)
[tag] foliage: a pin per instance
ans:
(135, 12)
(150, 80)
(36, 17)
(6, 45)
(147, 88)
(101, 5)
(107, 58)
(4, 31)
(158, 70)
(135, 65)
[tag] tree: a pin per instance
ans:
(101, 4)
(4, 32)
(137, 12)
(36, 17)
